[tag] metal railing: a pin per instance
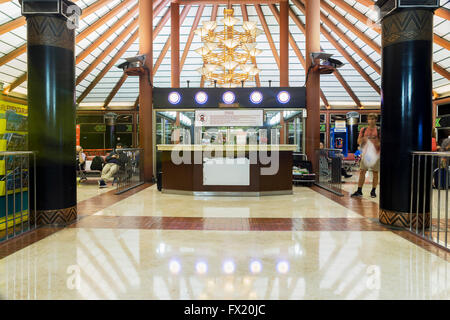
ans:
(430, 181)
(15, 217)
(96, 152)
(328, 170)
(130, 173)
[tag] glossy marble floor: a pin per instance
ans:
(148, 245)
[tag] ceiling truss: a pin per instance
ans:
(337, 34)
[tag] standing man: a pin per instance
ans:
(372, 134)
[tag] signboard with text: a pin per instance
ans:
(229, 118)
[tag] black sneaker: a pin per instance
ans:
(373, 194)
(102, 184)
(348, 176)
(357, 194)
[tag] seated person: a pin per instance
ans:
(445, 147)
(114, 161)
(343, 171)
(81, 162)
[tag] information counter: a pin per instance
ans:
(226, 170)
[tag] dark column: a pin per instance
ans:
(51, 101)
(352, 131)
(110, 133)
(406, 107)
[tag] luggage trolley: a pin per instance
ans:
(302, 169)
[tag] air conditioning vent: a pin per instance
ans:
(422, 3)
(40, 6)
(387, 6)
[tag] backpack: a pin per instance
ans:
(97, 163)
(440, 179)
(364, 132)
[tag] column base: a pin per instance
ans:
(57, 218)
(402, 219)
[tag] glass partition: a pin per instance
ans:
(178, 127)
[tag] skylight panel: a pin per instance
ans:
(12, 39)
(5, 48)
(11, 9)
(360, 7)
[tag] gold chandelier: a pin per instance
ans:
(228, 54)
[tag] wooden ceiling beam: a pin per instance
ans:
(136, 103)
(361, 35)
(350, 59)
(123, 35)
(324, 98)
(214, 12)
(219, 2)
(367, 3)
(119, 23)
(13, 54)
(441, 41)
(444, 13)
(94, 45)
(16, 83)
(161, 23)
(197, 18)
(441, 71)
(364, 19)
(161, 56)
(292, 42)
(354, 12)
(342, 36)
(114, 91)
(111, 63)
(347, 88)
(23, 48)
(262, 19)
(295, 47)
(253, 59)
(166, 47)
(113, 45)
(338, 46)
(99, 22)
(158, 8)
(11, 25)
(94, 7)
(303, 62)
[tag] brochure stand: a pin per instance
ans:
(13, 181)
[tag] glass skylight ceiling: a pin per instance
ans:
(13, 70)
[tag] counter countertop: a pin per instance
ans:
(218, 147)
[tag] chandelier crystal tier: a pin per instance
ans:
(228, 55)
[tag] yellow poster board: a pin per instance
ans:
(13, 137)
(13, 125)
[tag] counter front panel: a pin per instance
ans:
(270, 172)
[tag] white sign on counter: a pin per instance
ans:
(229, 118)
(226, 172)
